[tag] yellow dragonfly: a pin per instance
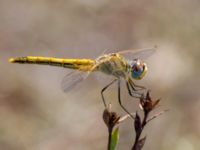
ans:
(127, 65)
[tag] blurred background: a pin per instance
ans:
(35, 114)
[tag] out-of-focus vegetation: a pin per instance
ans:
(34, 112)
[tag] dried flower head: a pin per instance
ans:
(147, 104)
(110, 118)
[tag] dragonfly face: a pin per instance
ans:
(138, 69)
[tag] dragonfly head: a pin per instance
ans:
(138, 69)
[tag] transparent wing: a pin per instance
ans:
(72, 79)
(138, 54)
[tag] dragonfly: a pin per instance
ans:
(127, 65)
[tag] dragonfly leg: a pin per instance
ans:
(102, 91)
(132, 92)
(120, 102)
(136, 86)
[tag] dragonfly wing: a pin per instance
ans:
(138, 53)
(72, 79)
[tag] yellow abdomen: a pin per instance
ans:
(80, 64)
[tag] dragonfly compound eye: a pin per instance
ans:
(138, 69)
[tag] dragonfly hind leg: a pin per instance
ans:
(120, 102)
(103, 90)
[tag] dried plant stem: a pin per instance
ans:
(109, 138)
(138, 134)
(111, 119)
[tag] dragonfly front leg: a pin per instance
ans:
(120, 102)
(134, 86)
(102, 91)
(133, 92)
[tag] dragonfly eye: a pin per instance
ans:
(138, 69)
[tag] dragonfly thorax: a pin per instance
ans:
(112, 64)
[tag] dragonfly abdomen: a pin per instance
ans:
(80, 64)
